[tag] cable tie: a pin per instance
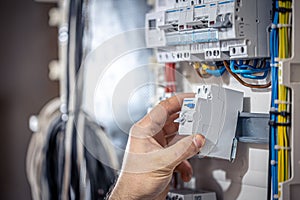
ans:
(273, 26)
(282, 113)
(275, 196)
(281, 102)
(283, 10)
(273, 123)
(273, 109)
(278, 147)
(273, 162)
(284, 25)
(277, 59)
(274, 65)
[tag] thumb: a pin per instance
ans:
(183, 149)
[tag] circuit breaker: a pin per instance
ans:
(210, 30)
(214, 113)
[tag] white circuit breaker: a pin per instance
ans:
(214, 113)
(211, 30)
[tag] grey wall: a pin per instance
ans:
(27, 44)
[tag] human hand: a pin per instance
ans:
(154, 150)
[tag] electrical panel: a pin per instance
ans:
(210, 30)
(214, 113)
(246, 45)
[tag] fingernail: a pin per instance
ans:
(199, 140)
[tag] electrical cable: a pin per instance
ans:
(100, 175)
(243, 69)
(243, 82)
(74, 60)
(215, 69)
(274, 72)
(283, 93)
(246, 70)
(206, 70)
(216, 72)
(170, 77)
(54, 158)
(199, 70)
(280, 43)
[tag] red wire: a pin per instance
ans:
(170, 77)
(166, 78)
(173, 78)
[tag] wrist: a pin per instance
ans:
(124, 189)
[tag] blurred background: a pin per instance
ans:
(28, 44)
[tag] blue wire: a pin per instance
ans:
(274, 96)
(247, 71)
(265, 74)
(255, 62)
(217, 72)
(244, 71)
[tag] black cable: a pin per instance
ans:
(54, 159)
(75, 176)
(100, 175)
(76, 28)
(68, 55)
(80, 19)
(76, 38)
(70, 71)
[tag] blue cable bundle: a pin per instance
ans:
(249, 71)
(274, 96)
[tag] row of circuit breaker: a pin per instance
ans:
(210, 30)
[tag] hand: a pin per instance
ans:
(154, 150)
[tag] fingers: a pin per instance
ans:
(158, 116)
(168, 132)
(154, 121)
(170, 129)
(185, 169)
(142, 157)
(183, 149)
(170, 126)
(173, 104)
(172, 140)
